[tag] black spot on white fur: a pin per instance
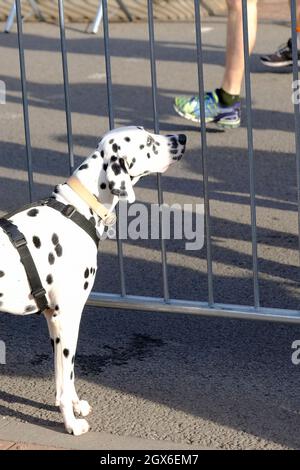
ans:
(86, 273)
(55, 239)
(2, 274)
(103, 185)
(51, 258)
(85, 286)
(49, 279)
(30, 308)
(83, 167)
(116, 168)
(122, 164)
(36, 241)
(132, 163)
(115, 148)
(58, 250)
(32, 212)
(66, 352)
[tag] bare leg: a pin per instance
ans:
(228, 96)
(234, 66)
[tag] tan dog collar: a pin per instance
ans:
(107, 218)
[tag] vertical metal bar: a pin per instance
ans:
(24, 99)
(204, 151)
(108, 65)
(156, 130)
(250, 154)
(296, 107)
(111, 126)
(66, 84)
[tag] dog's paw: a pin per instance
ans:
(78, 427)
(82, 408)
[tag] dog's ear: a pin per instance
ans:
(119, 181)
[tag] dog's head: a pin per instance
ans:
(131, 152)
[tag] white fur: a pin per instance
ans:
(75, 254)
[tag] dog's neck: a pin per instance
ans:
(93, 180)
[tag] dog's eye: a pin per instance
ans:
(149, 140)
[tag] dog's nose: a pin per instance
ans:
(182, 139)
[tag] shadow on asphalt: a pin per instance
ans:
(237, 374)
(121, 47)
(275, 189)
(91, 99)
(206, 368)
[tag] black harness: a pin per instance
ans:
(19, 241)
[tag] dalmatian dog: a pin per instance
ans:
(66, 256)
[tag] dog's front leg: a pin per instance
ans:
(64, 332)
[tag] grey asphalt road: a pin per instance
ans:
(214, 382)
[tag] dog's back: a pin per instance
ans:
(51, 239)
(14, 288)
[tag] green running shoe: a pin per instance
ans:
(227, 117)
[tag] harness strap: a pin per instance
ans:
(68, 211)
(71, 213)
(20, 243)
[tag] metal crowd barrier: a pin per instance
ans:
(165, 303)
